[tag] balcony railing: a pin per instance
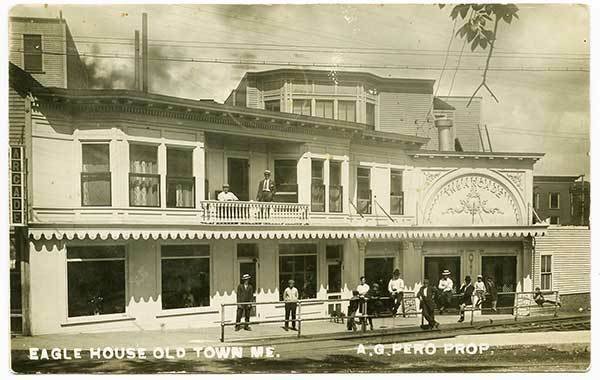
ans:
(238, 212)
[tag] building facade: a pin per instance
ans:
(127, 234)
(562, 200)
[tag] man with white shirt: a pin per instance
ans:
(396, 289)
(290, 297)
(226, 195)
(446, 287)
(266, 188)
(363, 287)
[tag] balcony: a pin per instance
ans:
(215, 212)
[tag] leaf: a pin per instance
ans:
(463, 30)
(489, 35)
(507, 18)
(464, 10)
(470, 35)
(474, 44)
(441, 6)
(454, 12)
(483, 43)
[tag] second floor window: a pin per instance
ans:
(32, 53)
(396, 193)
(363, 190)
(370, 114)
(554, 200)
(347, 110)
(324, 108)
(317, 191)
(144, 180)
(95, 175)
(536, 201)
(301, 107)
(336, 190)
(273, 105)
(180, 179)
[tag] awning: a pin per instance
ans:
(284, 232)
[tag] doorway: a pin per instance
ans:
(247, 255)
(503, 270)
(238, 177)
(378, 270)
(435, 265)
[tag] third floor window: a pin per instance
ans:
(32, 53)
(347, 110)
(554, 200)
(301, 107)
(324, 108)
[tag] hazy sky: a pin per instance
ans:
(539, 111)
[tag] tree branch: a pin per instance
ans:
(487, 66)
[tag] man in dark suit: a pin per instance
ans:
(426, 296)
(245, 293)
(266, 188)
(466, 296)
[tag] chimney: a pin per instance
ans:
(145, 52)
(137, 61)
(445, 140)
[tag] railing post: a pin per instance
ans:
(472, 309)
(364, 319)
(222, 323)
(299, 318)
(556, 303)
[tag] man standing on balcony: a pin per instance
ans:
(226, 195)
(266, 188)
(245, 293)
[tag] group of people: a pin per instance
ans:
(265, 192)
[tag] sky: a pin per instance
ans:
(538, 111)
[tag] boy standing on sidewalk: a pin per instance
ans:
(290, 297)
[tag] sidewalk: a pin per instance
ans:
(190, 338)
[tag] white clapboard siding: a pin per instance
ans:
(571, 258)
(406, 113)
(466, 121)
(16, 117)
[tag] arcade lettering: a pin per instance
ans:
(479, 182)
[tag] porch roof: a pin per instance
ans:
(116, 232)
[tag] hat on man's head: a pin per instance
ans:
(446, 272)
(246, 276)
(225, 185)
(267, 171)
(397, 271)
(479, 276)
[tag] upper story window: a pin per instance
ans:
(32, 53)
(144, 180)
(336, 190)
(95, 175)
(301, 107)
(273, 105)
(286, 179)
(180, 179)
(554, 200)
(324, 108)
(317, 190)
(363, 190)
(370, 120)
(536, 200)
(347, 110)
(396, 193)
(546, 272)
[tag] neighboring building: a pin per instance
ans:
(562, 263)
(125, 234)
(395, 105)
(562, 200)
(42, 53)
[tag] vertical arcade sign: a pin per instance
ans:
(17, 204)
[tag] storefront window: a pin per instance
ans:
(185, 275)
(298, 262)
(96, 280)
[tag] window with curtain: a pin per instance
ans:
(363, 190)
(396, 193)
(370, 114)
(286, 180)
(95, 280)
(317, 192)
(324, 108)
(180, 179)
(336, 190)
(273, 105)
(95, 175)
(185, 276)
(347, 110)
(144, 180)
(301, 107)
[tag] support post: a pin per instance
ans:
(222, 323)
(299, 318)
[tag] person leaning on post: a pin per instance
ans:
(290, 297)
(244, 293)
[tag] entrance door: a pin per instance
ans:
(249, 267)
(503, 270)
(435, 265)
(379, 270)
(238, 177)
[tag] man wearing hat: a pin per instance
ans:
(445, 286)
(245, 293)
(290, 296)
(466, 295)
(396, 289)
(266, 188)
(226, 195)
